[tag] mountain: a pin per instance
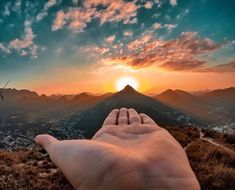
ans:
(29, 108)
(92, 119)
(211, 154)
(87, 112)
(171, 95)
(222, 97)
(85, 101)
(183, 101)
(215, 108)
(127, 90)
(83, 98)
(227, 92)
(17, 95)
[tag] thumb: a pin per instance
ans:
(45, 141)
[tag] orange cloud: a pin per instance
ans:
(115, 11)
(24, 43)
(134, 45)
(148, 5)
(96, 50)
(222, 68)
(23, 46)
(76, 18)
(180, 54)
(59, 21)
(128, 33)
(48, 5)
(110, 39)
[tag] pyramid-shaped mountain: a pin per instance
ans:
(177, 97)
(91, 120)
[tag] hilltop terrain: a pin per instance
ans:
(188, 117)
(24, 113)
(32, 168)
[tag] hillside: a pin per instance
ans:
(214, 108)
(32, 168)
(91, 120)
(25, 114)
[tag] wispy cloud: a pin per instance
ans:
(47, 5)
(127, 33)
(156, 26)
(139, 42)
(222, 68)
(75, 18)
(24, 45)
(4, 49)
(115, 11)
(182, 14)
(173, 2)
(12, 6)
(6, 11)
(96, 50)
(148, 5)
(180, 54)
(17, 6)
(110, 39)
(170, 27)
(59, 21)
(27, 40)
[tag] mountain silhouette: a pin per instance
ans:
(91, 120)
(83, 98)
(205, 107)
(225, 94)
(177, 97)
(86, 111)
(173, 93)
(13, 95)
(128, 89)
(185, 102)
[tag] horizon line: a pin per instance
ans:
(99, 94)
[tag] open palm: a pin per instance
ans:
(130, 152)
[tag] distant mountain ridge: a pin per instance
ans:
(227, 92)
(9, 92)
(91, 120)
(214, 108)
(14, 94)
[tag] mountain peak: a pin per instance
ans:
(128, 88)
(168, 92)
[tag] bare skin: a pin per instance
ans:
(129, 152)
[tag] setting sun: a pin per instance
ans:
(122, 82)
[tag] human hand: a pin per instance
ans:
(130, 151)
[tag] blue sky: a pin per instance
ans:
(41, 40)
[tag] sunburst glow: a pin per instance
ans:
(124, 81)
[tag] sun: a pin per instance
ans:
(124, 81)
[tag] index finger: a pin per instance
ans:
(46, 142)
(112, 118)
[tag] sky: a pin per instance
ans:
(72, 46)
